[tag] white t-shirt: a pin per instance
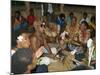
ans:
(87, 20)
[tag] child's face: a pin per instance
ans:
(63, 18)
(25, 43)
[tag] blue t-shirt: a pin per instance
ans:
(59, 21)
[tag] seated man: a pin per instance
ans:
(85, 18)
(23, 61)
(38, 38)
(23, 57)
(31, 18)
(19, 22)
(60, 23)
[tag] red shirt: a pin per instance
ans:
(31, 19)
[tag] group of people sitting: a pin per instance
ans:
(37, 45)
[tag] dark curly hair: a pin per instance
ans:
(62, 15)
(20, 60)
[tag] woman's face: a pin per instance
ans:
(82, 27)
(73, 21)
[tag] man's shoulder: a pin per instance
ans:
(34, 38)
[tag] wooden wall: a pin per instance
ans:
(77, 9)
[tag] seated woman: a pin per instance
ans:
(84, 32)
(51, 32)
(73, 43)
(84, 35)
(73, 29)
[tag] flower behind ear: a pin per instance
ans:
(19, 38)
